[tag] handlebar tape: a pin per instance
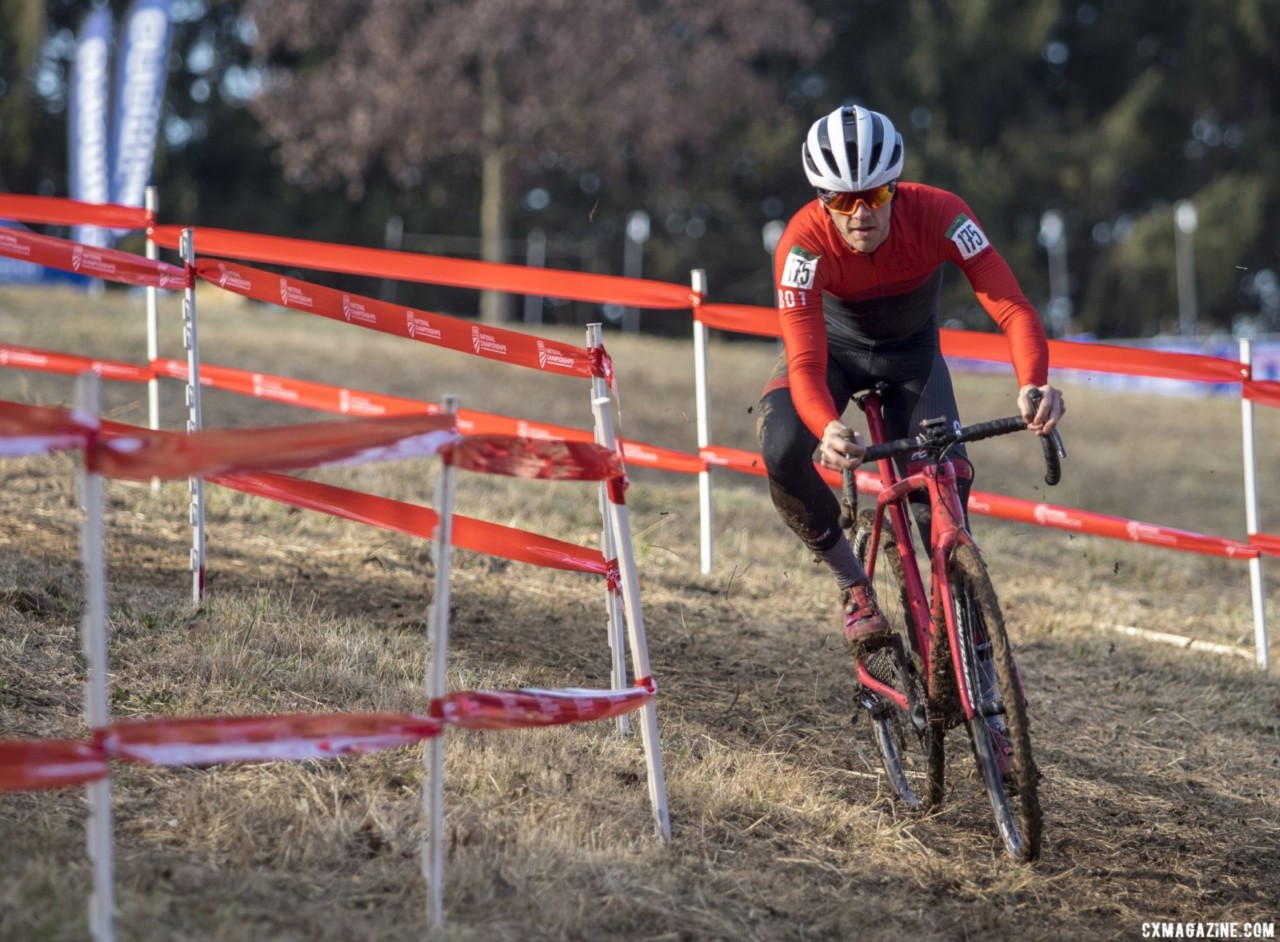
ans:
(1051, 444)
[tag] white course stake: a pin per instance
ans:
(153, 330)
(436, 687)
(630, 583)
(191, 341)
(703, 403)
(1258, 596)
(93, 640)
(608, 547)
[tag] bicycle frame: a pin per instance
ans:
(976, 682)
(926, 609)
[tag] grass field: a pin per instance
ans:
(1160, 764)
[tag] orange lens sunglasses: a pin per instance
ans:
(846, 203)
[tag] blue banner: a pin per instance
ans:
(88, 110)
(142, 68)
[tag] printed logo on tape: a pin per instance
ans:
(549, 356)
(419, 327)
(294, 297)
(232, 279)
(1149, 533)
(12, 246)
(969, 239)
(487, 343)
(800, 268)
(354, 312)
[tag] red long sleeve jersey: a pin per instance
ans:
(887, 294)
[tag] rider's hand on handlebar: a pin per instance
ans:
(841, 448)
(1052, 408)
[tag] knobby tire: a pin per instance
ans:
(1015, 797)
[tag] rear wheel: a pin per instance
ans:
(909, 743)
(999, 730)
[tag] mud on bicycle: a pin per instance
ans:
(948, 661)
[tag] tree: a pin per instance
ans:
(1109, 112)
(22, 32)
(497, 85)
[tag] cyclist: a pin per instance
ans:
(858, 272)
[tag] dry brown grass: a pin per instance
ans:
(1160, 764)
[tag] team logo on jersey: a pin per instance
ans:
(969, 239)
(800, 268)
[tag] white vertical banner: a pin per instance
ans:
(87, 113)
(142, 68)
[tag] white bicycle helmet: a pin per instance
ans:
(852, 149)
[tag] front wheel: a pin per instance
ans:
(999, 729)
(909, 742)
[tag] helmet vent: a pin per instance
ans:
(852, 148)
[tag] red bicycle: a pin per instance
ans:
(950, 660)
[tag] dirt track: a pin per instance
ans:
(1160, 793)
(1161, 765)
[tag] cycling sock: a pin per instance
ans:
(844, 565)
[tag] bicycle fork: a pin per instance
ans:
(972, 655)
